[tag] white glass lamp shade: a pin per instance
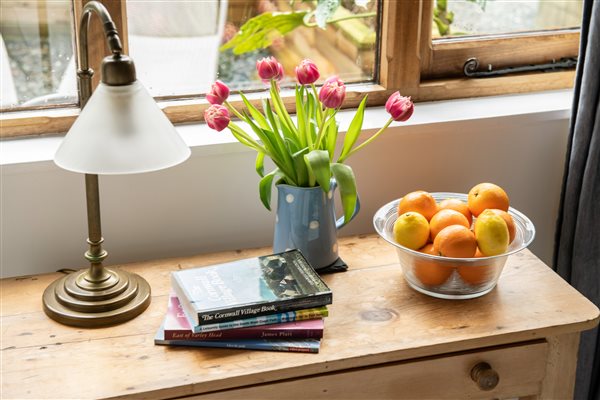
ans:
(121, 130)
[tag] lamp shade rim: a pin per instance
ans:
(121, 130)
(128, 171)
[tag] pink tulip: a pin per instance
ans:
(217, 117)
(332, 92)
(307, 72)
(268, 68)
(400, 107)
(218, 93)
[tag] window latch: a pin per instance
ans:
(471, 67)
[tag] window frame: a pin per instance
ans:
(425, 64)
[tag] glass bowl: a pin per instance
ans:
(445, 277)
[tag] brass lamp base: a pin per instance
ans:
(113, 298)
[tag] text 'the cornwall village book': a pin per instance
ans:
(177, 327)
(249, 288)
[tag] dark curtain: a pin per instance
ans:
(577, 246)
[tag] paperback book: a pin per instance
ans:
(177, 327)
(296, 346)
(249, 288)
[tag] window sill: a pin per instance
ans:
(25, 153)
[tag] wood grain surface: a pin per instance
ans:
(375, 319)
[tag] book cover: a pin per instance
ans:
(177, 327)
(247, 288)
(296, 346)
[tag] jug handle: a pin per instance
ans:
(340, 222)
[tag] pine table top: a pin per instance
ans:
(375, 318)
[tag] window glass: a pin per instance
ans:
(36, 49)
(457, 18)
(177, 45)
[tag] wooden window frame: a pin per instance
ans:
(424, 63)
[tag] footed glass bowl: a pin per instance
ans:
(445, 277)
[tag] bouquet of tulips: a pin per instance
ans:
(304, 151)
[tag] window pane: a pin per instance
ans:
(484, 17)
(176, 44)
(36, 50)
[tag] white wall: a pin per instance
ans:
(210, 202)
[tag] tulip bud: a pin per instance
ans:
(218, 93)
(217, 117)
(400, 107)
(332, 92)
(268, 68)
(307, 72)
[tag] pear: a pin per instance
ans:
(491, 233)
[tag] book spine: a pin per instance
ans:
(252, 333)
(236, 313)
(186, 306)
(291, 316)
(250, 345)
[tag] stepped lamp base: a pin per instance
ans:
(77, 300)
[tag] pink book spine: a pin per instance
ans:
(177, 327)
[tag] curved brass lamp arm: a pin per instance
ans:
(85, 73)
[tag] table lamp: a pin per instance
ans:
(120, 130)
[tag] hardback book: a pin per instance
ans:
(253, 287)
(177, 327)
(296, 346)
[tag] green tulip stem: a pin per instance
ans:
(319, 109)
(321, 134)
(369, 140)
(250, 141)
(234, 111)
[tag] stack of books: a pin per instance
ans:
(275, 302)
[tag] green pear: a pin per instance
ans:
(491, 233)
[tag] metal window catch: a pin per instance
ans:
(472, 64)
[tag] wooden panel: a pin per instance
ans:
(400, 46)
(375, 319)
(520, 368)
(442, 89)
(561, 366)
(449, 57)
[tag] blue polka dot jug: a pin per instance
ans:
(305, 220)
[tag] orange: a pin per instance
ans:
(411, 230)
(419, 201)
(430, 272)
(455, 241)
(457, 205)
(510, 223)
(444, 218)
(475, 274)
(487, 195)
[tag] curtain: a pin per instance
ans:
(577, 245)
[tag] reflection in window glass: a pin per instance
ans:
(36, 49)
(484, 17)
(177, 44)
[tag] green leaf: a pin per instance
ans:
(300, 114)
(347, 183)
(280, 109)
(270, 116)
(302, 173)
(260, 163)
(324, 11)
(259, 32)
(318, 168)
(257, 115)
(264, 188)
(354, 130)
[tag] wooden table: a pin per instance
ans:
(382, 340)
